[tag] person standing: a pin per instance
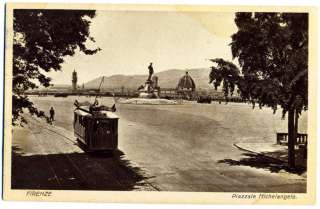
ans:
(51, 114)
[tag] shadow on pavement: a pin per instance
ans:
(75, 171)
(263, 162)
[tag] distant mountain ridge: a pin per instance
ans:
(167, 79)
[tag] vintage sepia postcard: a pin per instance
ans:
(160, 103)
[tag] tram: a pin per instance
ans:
(96, 127)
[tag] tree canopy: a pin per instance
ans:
(272, 51)
(41, 40)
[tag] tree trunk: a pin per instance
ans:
(291, 139)
(296, 123)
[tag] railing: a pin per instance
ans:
(302, 139)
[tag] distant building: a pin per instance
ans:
(186, 87)
(186, 83)
(74, 80)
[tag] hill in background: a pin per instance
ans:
(167, 79)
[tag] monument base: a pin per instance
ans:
(149, 101)
(153, 95)
(149, 90)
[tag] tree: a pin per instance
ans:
(272, 51)
(41, 40)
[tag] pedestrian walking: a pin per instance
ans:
(51, 114)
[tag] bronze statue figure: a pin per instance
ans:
(150, 71)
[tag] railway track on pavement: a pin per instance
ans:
(86, 173)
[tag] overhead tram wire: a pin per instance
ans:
(102, 79)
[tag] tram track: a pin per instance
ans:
(55, 176)
(75, 176)
(74, 165)
(67, 174)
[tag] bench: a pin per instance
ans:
(302, 139)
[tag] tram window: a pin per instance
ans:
(75, 118)
(84, 121)
(80, 120)
(95, 125)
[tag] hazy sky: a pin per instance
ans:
(131, 39)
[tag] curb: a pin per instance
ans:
(259, 153)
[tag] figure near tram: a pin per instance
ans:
(51, 119)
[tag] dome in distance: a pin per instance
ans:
(186, 83)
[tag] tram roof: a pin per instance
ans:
(81, 112)
(108, 114)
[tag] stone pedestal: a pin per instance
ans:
(150, 89)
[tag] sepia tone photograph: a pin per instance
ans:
(138, 99)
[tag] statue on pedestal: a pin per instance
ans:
(150, 71)
(151, 88)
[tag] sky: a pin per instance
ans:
(130, 40)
